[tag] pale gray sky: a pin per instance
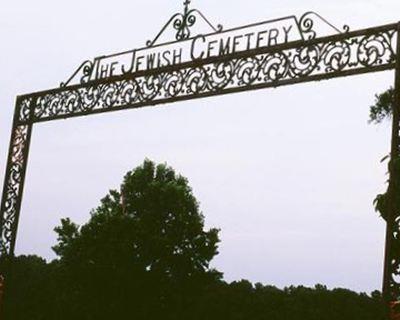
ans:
(288, 174)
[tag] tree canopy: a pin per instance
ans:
(382, 108)
(153, 223)
(380, 111)
(149, 235)
(145, 254)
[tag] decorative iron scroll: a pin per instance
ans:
(86, 68)
(305, 61)
(306, 25)
(13, 185)
(182, 22)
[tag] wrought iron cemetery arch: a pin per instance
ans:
(309, 58)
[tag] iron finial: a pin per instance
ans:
(183, 22)
(186, 4)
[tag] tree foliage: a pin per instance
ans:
(37, 290)
(145, 254)
(382, 108)
(153, 224)
(149, 235)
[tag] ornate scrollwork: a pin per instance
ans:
(297, 63)
(24, 109)
(306, 25)
(372, 48)
(183, 22)
(86, 70)
(13, 187)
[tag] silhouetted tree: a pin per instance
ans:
(27, 288)
(143, 251)
(382, 108)
(144, 254)
(380, 111)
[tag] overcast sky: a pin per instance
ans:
(288, 174)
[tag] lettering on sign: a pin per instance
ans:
(200, 47)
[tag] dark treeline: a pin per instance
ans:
(144, 254)
(37, 290)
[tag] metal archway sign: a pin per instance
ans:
(273, 53)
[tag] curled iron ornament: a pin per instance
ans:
(306, 25)
(86, 67)
(182, 25)
(183, 22)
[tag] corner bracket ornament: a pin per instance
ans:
(306, 25)
(182, 22)
(86, 69)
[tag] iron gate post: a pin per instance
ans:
(14, 180)
(391, 285)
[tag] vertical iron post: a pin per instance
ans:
(14, 180)
(391, 287)
(1, 296)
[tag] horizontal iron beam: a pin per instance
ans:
(220, 59)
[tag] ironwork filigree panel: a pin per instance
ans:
(306, 61)
(13, 185)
